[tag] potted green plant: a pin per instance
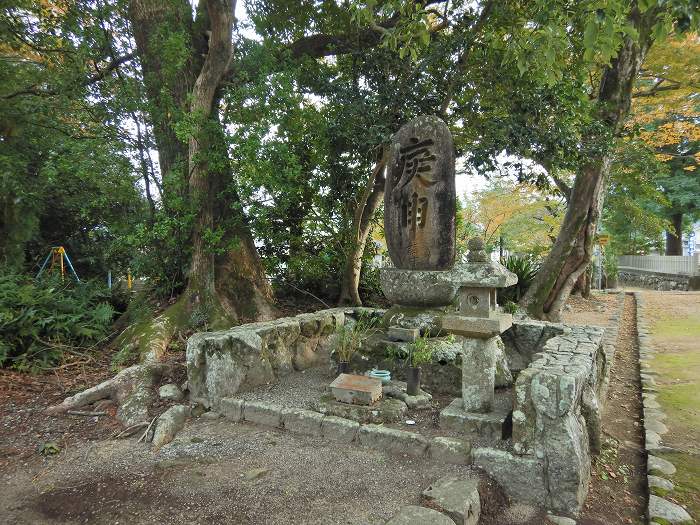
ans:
(419, 352)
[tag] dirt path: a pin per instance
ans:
(213, 472)
(618, 483)
(674, 322)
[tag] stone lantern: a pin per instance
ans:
(480, 324)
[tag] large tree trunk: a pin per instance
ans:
(674, 239)
(361, 226)
(573, 249)
(226, 287)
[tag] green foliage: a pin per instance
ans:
(421, 351)
(610, 266)
(49, 449)
(39, 320)
(634, 208)
(526, 269)
(348, 337)
(416, 353)
(510, 307)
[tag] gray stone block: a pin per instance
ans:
(412, 515)
(659, 483)
(450, 450)
(262, 413)
(655, 425)
(522, 478)
(669, 512)
(302, 421)
(171, 392)
(656, 466)
(560, 520)
(232, 408)
(393, 440)
(339, 429)
(456, 497)
(488, 426)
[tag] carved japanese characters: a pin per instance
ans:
(420, 197)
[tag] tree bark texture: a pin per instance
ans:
(573, 249)
(361, 226)
(674, 239)
(232, 285)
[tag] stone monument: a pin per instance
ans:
(431, 294)
(420, 196)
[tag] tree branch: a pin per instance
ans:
(96, 77)
(461, 61)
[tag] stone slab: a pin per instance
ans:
(393, 440)
(413, 515)
(356, 389)
(339, 429)
(398, 333)
(522, 478)
(451, 450)
(473, 424)
(232, 408)
(480, 327)
(262, 413)
(457, 497)
(656, 465)
(420, 196)
(389, 410)
(655, 482)
(302, 421)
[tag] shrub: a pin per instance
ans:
(350, 336)
(525, 268)
(39, 320)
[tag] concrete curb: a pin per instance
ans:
(654, 429)
(333, 428)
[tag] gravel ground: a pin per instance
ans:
(213, 472)
(298, 389)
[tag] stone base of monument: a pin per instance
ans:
(386, 410)
(491, 426)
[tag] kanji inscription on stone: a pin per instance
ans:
(420, 196)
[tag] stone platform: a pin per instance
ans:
(491, 426)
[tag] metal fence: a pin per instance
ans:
(668, 264)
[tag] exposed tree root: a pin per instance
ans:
(132, 389)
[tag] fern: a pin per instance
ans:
(40, 319)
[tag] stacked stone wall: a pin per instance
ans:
(659, 281)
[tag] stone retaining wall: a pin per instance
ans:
(219, 364)
(659, 281)
(309, 422)
(557, 419)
